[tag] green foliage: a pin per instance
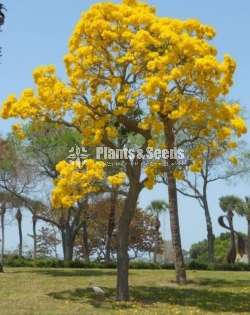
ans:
(16, 261)
(199, 253)
(244, 210)
(19, 262)
(157, 207)
(231, 202)
(47, 144)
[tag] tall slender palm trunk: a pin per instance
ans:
(173, 208)
(85, 241)
(232, 253)
(34, 222)
(175, 230)
(210, 234)
(111, 225)
(20, 232)
(157, 238)
(2, 213)
(248, 239)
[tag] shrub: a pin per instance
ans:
(16, 261)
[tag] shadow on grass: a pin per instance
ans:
(216, 283)
(70, 272)
(206, 300)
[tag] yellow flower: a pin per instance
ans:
(232, 145)
(76, 181)
(178, 174)
(18, 131)
(196, 166)
(151, 143)
(112, 132)
(224, 132)
(233, 160)
(117, 179)
(239, 125)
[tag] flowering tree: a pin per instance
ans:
(132, 72)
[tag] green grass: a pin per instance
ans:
(26, 291)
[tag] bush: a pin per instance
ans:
(143, 265)
(16, 261)
(48, 263)
(168, 266)
(195, 265)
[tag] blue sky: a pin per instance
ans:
(37, 32)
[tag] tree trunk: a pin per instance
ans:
(67, 245)
(210, 234)
(3, 210)
(232, 253)
(123, 241)
(85, 241)
(20, 232)
(173, 208)
(111, 225)
(34, 222)
(175, 230)
(157, 237)
(248, 239)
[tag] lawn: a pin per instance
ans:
(26, 291)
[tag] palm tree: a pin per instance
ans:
(111, 223)
(2, 15)
(2, 215)
(231, 204)
(34, 236)
(244, 210)
(156, 208)
(19, 218)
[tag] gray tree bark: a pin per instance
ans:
(111, 226)
(20, 232)
(34, 222)
(210, 234)
(248, 239)
(123, 241)
(173, 209)
(3, 211)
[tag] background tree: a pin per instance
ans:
(2, 19)
(156, 208)
(111, 223)
(47, 243)
(2, 15)
(216, 167)
(142, 231)
(19, 218)
(243, 209)
(34, 235)
(2, 145)
(198, 251)
(231, 204)
(2, 216)
(45, 145)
